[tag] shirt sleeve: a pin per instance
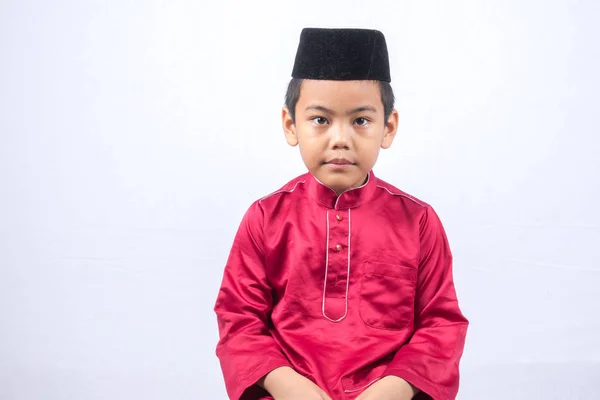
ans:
(430, 360)
(245, 349)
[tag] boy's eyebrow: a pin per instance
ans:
(349, 112)
(319, 108)
(361, 109)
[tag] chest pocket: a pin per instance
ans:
(387, 295)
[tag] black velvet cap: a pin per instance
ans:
(342, 54)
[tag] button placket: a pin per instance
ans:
(337, 269)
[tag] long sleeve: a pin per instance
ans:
(430, 360)
(246, 349)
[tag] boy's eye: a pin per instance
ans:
(319, 120)
(361, 121)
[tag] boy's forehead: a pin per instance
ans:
(341, 95)
(333, 87)
(342, 55)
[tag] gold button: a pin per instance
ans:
(338, 217)
(338, 247)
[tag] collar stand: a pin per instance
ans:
(349, 199)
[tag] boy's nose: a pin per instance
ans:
(341, 134)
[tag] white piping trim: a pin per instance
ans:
(282, 191)
(327, 269)
(322, 184)
(403, 195)
(326, 265)
(362, 387)
(348, 190)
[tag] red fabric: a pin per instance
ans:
(344, 289)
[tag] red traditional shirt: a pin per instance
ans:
(344, 289)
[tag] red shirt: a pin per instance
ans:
(344, 289)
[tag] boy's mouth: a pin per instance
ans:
(339, 161)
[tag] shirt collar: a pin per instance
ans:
(349, 199)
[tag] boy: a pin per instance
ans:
(338, 285)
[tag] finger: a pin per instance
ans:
(364, 395)
(326, 397)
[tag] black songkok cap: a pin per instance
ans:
(342, 55)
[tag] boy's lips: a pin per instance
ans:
(339, 161)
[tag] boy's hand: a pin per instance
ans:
(388, 388)
(286, 384)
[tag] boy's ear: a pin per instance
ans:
(289, 128)
(390, 129)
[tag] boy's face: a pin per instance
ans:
(340, 128)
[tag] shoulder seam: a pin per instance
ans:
(281, 191)
(403, 195)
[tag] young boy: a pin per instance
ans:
(339, 285)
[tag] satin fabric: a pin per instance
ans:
(344, 289)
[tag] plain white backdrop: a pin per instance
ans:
(134, 135)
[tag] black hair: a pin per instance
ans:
(293, 94)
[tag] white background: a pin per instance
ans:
(134, 135)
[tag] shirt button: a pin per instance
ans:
(338, 247)
(339, 217)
